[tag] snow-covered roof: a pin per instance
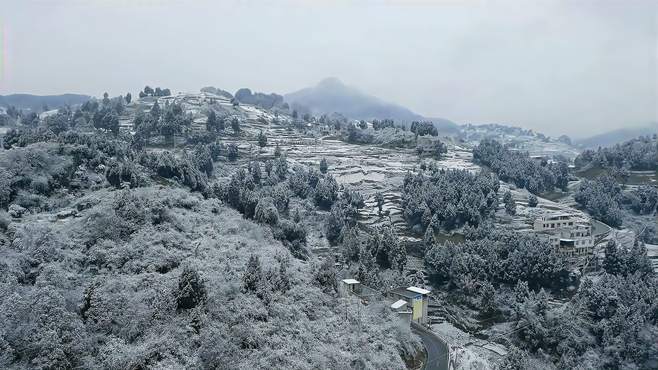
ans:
(399, 304)
(418, 290)
(558, 214)
(350, 281)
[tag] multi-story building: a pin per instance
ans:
(553, 221)
(570, 237)
(575, 241)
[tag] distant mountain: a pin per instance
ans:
(331, 95)
(36, 102)
(616, 136)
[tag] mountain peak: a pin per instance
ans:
(331, 95)
(331, 83)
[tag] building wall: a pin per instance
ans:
(547, 223)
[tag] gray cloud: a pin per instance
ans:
(557, 66)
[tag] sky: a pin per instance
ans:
(574, 67)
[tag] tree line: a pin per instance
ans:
(537, 176)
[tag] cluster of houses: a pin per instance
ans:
(570, 236)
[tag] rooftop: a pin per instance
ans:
(399, 304)
(410, 292)
(350, 281)
(418, 290)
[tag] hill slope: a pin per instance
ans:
(36, 102)
(331, 95)
(617, 136)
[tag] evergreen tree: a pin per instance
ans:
(397, 253)
(379, 199)
(232, 152)
(510, 205)
(212, 122)
(128, 98)
(262, 139)
(324, 166)
(532, 200)
(487, 297)
(253, 275)
(155, 111)
(191, 290)
(235, 125)
(428, 239)
(325, 275)
(613, 261)
(426, 219)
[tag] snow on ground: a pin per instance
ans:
(465, 359)
(469, 353)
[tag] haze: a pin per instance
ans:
(557, 67)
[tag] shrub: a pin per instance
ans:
(266, 212)
(326, 192)
(191, 290)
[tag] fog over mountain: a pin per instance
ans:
(332, 95)
(261, 185)
(559, 67)
(38, 102)
(617, 136)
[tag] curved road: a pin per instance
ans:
(437, 350)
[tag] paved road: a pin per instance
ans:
(437, 358)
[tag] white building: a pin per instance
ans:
(417, 301)
(571, 237)
(553, 221)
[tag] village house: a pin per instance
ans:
(416, 300)
(571, 238)
(553, 221)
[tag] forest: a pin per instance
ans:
(640, 154)
(170, 247)
(118, 255)
(445, 200)
(538, 176)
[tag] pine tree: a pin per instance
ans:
(324, 166)
(211, 122)
(191, 290)
(510, 205)
(426, 219)
(532, 201)
(325, 275)
(613, 262)
(253, 275)
(428, 239)
(262, 139)
(232, 152)
(379, 198)
(235, 125)
(155, 110)
(487, 297)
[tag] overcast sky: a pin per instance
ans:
(575, 67)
